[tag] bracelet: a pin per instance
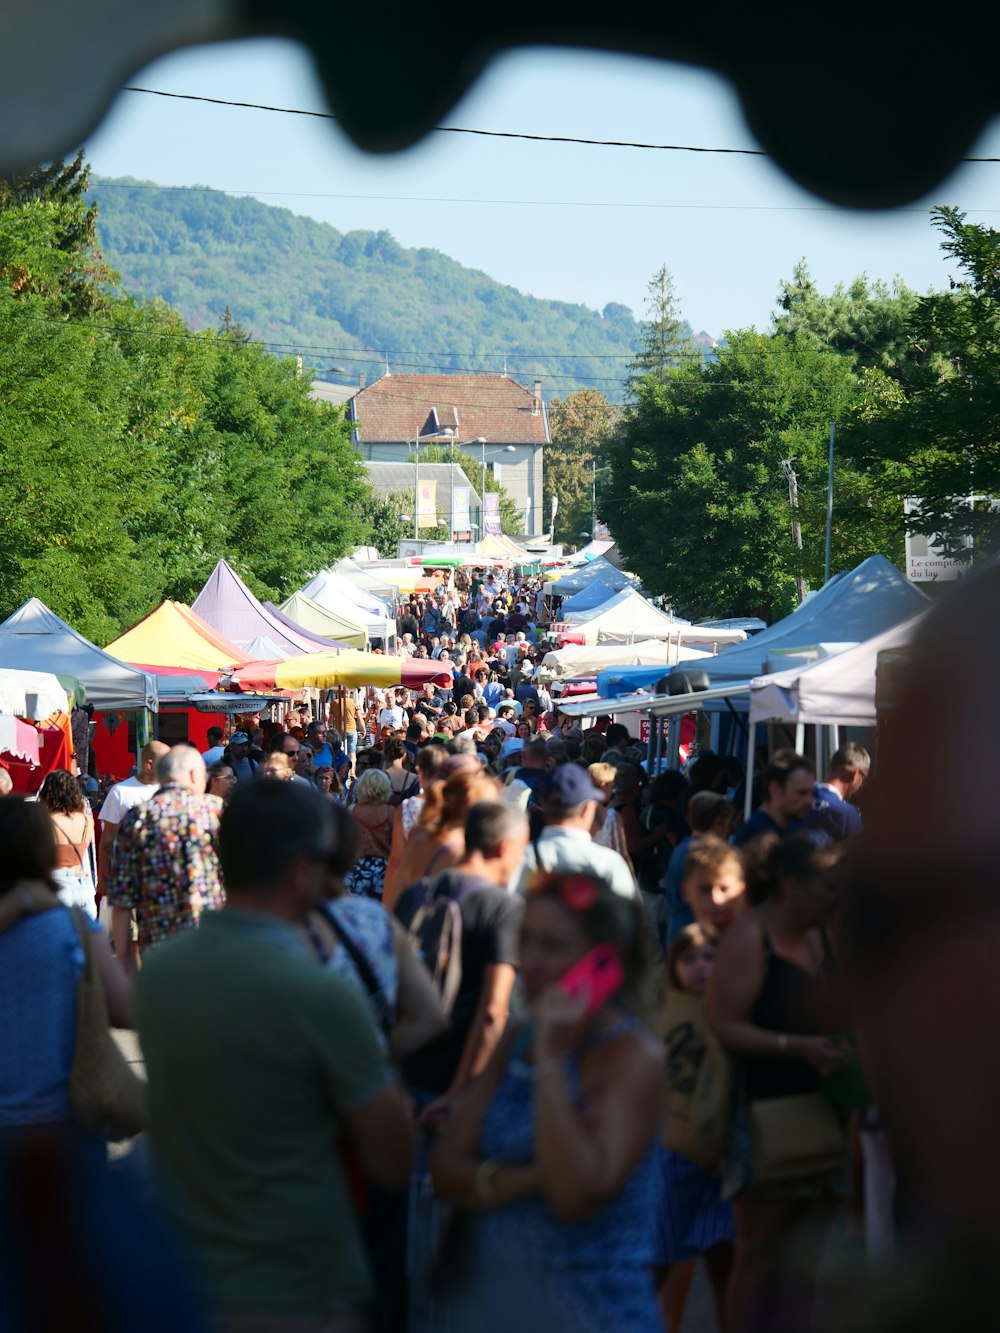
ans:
(485, 1177)
(782, 1043)
(546, 1067)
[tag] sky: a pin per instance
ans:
(567, 222)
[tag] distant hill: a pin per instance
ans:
(345, 299)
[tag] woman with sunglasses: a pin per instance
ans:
(551, 1155)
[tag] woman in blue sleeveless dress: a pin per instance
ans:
(551, 1157)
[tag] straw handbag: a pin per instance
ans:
(106, 1095)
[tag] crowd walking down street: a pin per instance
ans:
(451, 1016)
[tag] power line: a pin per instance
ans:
(461, 129)
(489, 134)
(243, 192)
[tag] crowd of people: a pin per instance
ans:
(406, 972)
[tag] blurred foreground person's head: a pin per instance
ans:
(922, 913)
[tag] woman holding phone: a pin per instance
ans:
(551, 1155)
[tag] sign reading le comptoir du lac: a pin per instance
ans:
(925, 561)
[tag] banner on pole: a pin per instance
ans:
(491, 513)
(427, 504)
(460, 519)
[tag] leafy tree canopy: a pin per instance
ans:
(697, 498)
(580, 424)
(936, 438)
(133, 452)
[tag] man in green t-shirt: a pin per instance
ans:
(262, 1066)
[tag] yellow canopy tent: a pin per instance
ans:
(175, 636)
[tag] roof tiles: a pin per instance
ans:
(399, 407)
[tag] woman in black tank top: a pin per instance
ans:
(775, 1002)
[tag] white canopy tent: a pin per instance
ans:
(585, 660)
(628, 616)
(35, 639)
(850, 608)
(597, 570)
(373, 581)
(836, 691)
(339, 595)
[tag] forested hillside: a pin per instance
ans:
(348, 299)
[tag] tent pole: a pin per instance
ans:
(800, 737)
(651, 744)
(834, 738)
(751, 757)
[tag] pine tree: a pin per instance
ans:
(665, 338)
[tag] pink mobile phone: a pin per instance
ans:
(598, 975)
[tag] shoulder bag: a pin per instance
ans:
(106, 1095)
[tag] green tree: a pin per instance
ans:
(384, 516)
(938, 440)
(580, 424)
(665, 340)
(134, 453)
(51, 202)
(697, 498)
(866, 321)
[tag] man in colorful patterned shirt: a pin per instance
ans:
(166, 857)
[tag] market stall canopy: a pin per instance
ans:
(180, 689)
(231, 608)
(344, 599)
(32, 694)
(348, 629)
(328, 588)
(373, 580)
(587, 599)
(851, 607)
(35, 639)
(595, 550)
(837, 690)
(596, 571)
(588, 661)
(175, 636)
(352, 670)
(263, 649)
(629, 615)
(290, 623)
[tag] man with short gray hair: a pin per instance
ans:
(166, 865)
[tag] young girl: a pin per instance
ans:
(693, 1220)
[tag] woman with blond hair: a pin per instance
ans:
(373, 815)
(607, 830)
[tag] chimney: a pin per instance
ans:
(362, 380)
(537, 407)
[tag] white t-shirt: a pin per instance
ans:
(392, 717)
(123, 796)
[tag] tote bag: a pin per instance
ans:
(701, 1083)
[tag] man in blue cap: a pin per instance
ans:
(569, 801)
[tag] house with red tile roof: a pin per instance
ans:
(501, 424)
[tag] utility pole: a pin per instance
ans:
(793, 501)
